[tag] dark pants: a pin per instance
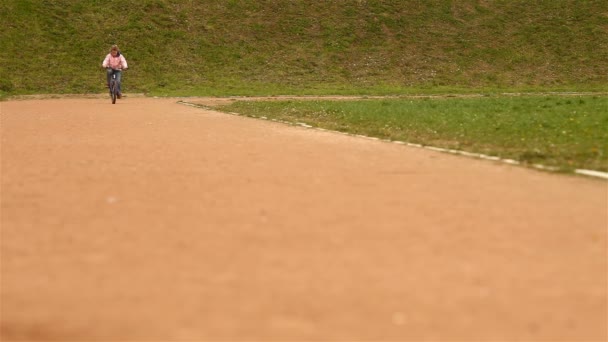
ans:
(118, 73)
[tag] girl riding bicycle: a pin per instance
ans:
(114, 63)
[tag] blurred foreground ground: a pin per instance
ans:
(150, 220)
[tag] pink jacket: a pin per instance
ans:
(118, 62)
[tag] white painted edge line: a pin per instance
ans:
(490, 157)
(187, 104)
(591, 173)
(437, 149)
(543, 167)
(470, 154)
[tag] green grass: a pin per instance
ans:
(562, 132)
(221, 47)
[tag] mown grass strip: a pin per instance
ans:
(566, 133)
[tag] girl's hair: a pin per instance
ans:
(114, 48)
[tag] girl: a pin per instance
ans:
(114, 63)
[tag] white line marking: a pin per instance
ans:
(469, 154)
(592, 173)
(438, 149)
(543, 167)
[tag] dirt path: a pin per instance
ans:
(153, 221)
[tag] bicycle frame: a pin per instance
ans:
(114, 86)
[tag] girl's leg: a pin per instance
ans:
(109, 76)
(118, 80)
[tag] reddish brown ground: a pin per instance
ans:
(154, 221)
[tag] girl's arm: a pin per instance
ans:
(106, 61)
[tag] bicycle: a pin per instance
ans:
(114, 86)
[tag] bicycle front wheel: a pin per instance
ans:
(113, 91)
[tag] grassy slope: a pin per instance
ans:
(278, 46)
